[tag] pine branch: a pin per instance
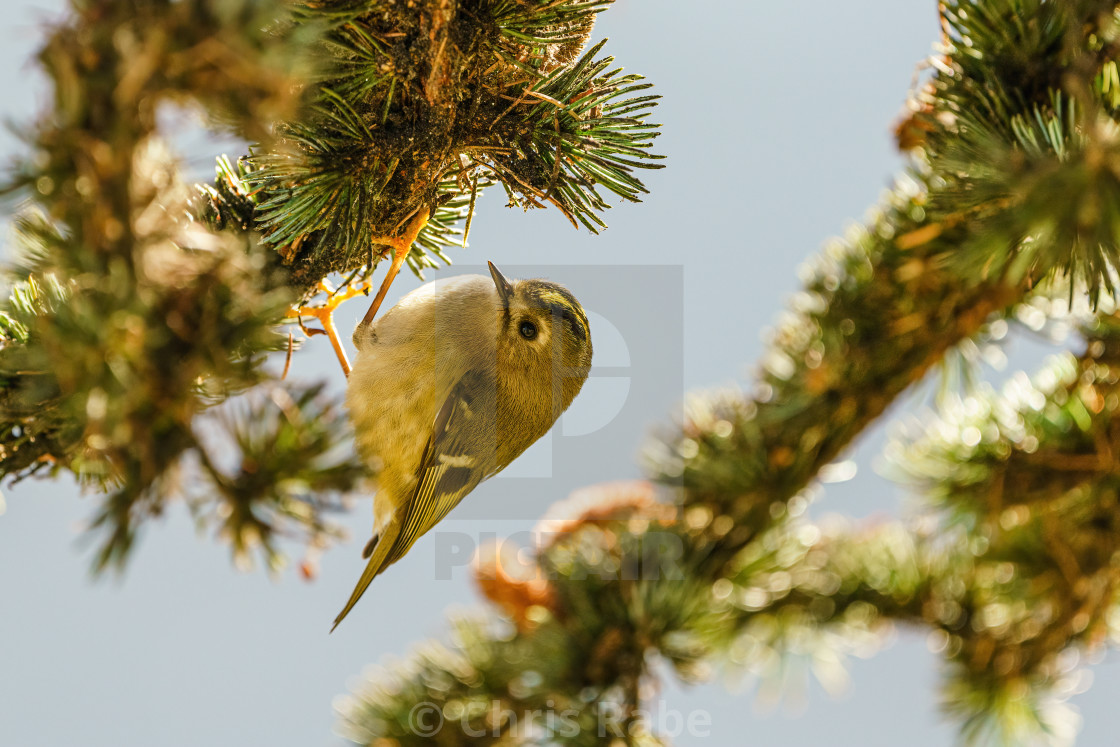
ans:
(421, 105)
(923, 277)
(129, 321)
(1031, 473)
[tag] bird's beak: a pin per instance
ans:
(505, 288)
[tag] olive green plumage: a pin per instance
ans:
(449, 387)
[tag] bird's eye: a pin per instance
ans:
(528, 330)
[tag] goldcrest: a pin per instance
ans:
(450, 386)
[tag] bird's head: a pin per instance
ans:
(543, 332)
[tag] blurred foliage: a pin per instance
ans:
(129, 322)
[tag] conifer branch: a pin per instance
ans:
(422, 105)
(129, 321)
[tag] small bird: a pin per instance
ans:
(449, 387)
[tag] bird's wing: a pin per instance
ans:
(458, 456)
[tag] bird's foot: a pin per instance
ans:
(324, 312)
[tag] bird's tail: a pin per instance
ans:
(385, 543)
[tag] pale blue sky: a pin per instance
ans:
(777, 127)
